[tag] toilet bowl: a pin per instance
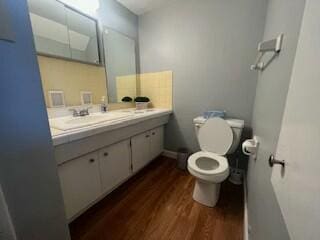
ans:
(210, 166)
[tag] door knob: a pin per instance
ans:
(273, 161)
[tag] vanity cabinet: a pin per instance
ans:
(80, 182)
(145, 147)
(156, 142)
(140, 147)
(88, 178)
(115, 165)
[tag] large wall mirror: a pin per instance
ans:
(67, 43)
(120, 60)
(61, 31)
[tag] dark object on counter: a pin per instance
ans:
(126, 99)
(142, 99)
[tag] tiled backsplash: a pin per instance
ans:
(158, 87)
(126, 86)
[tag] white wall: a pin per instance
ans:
(265, 219)
(209, 45)
(297, 187)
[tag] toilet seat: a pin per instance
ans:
(222, 168)
(215, 139)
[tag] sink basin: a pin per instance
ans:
(86, 119)
(69, 123)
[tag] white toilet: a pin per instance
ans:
(217, 137)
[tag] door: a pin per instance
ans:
(140, 147)
(297, 185)
(80, 183)
(156, 142)
(115, 165)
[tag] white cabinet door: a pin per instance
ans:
(156, 142)
(80, 183)
(140, 147)
(115, 164)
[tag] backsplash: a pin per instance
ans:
(158, 87)
(126, 86)
(72, 78)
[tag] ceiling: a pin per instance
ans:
(141, 6)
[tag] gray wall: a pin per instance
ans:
(28, 171)
(265, 219)
(113, 15)
(210, 47)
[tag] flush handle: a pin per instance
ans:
(273, 161)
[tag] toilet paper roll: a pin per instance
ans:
(249, 147)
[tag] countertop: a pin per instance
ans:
(61, 137)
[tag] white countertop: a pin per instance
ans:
(62, 137)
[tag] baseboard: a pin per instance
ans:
(245, 220)
(170, 154)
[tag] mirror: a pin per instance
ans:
(63, 32)
(49, 26)
(83, 37)
(120, 65)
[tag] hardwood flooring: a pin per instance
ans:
(157, 204)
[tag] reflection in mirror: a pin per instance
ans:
(49, 26)
(60, 31)
(120, 66)
(83, 37)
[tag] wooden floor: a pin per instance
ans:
(157, 204)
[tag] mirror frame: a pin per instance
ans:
(99, 43)
(105, 57)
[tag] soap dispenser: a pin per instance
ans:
(103, 106)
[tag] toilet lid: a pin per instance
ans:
(215, 136)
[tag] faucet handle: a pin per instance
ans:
(84, 112)
(74, 111)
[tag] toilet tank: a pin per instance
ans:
(236, 125)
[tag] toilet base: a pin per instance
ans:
(206, 193)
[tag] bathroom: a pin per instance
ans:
(159, 119)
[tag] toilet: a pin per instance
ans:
(217, 137)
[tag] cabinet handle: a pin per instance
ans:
(91, 160)
(147, 136)
(153, 133)
(105, 154)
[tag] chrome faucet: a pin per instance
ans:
(81, 113)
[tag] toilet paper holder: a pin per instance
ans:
(250, 147)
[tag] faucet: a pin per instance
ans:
(81, 112)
